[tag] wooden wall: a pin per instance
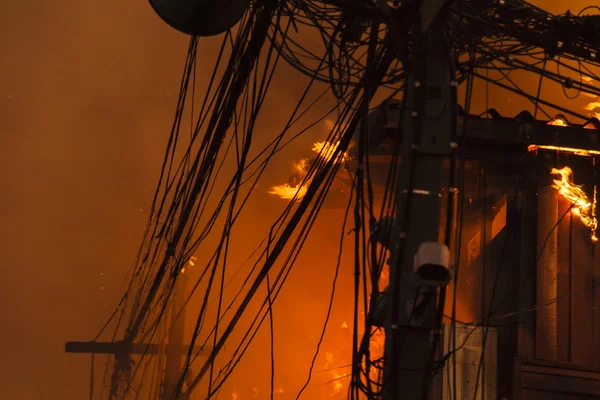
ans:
(568, 307)
(559, 340)
(489, 251)
(536, 274)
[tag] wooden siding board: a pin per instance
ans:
(581, 297)
(596, 306)
(535, 379)
(564, 278)
(527, 262)
(581, 273)
(555, 371)
(595, 351)
(530, 394)
(595, 282)
(547, 273)
(560, 384)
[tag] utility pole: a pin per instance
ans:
(419, 262)
(174, 349)
(176, 335)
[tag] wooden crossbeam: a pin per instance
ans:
(503, 132)
(121, 347)
(174, 350)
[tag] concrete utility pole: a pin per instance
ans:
(419, 263)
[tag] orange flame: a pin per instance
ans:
(384, 278)
(337, 383)
(377, 343)
(557, 122)
(593, 106)
(582, 206)
(326, 150)
(301, 167)
(577, 152)
(289, 192)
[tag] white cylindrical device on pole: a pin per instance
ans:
(200, 17)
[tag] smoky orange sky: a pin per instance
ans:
(87, 94)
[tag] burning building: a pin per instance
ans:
(504, 330)
(525, 269)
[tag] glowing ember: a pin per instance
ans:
(344, 325)
(557, 122)
(190, 262)
(235, 395)
(337, 384)
(578, 152)
(582, 206)
(384, 278)
(328, 359)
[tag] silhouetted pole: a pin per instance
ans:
(176, 336)
(419, 263)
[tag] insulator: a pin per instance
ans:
(568, 83)
(200, 17)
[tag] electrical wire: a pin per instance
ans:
(181, 219)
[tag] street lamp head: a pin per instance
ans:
(200, 17)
